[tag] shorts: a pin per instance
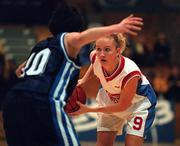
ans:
(138, 118)
(29, 121)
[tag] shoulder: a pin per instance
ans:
(60, 36)
(130, 65)
(73, 43)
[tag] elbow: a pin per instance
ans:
(80, 40)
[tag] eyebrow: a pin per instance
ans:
(100, 46)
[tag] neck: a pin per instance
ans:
(113, 68)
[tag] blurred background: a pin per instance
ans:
(156, 50)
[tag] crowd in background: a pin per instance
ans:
(7, 73)
(156, 62)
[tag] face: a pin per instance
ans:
(107, 53)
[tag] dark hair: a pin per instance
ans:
(66, 19)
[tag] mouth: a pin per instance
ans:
(103, 60)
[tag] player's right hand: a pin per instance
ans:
(19, 69)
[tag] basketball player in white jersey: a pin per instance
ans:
(126, 95)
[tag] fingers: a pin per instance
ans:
(78, 112)
(79, 103)
(136, 19)
(72, 114)
(18, 72)
(130, 32)
(79, 82)
(134, 22)
(132, 18)
(20, 68)
(131, 15)
(133, 27)
(137, 22)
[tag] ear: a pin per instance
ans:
(119, 50)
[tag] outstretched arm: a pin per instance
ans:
(74, 41)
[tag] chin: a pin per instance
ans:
(104, 65)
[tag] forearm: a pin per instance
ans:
(74, 41)
(125, 100)
(88, 75)
(93, 34)
(111, 108)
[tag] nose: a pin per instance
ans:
(102, 53)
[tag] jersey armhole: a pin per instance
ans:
(62, 44)
(129, 76)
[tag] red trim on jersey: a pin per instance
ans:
(118, 70)
(104, 72)
(129, 76)
(113, 97)
(112, 94)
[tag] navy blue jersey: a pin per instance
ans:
(39, 96)
(49, 70)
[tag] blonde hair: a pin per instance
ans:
(120, 41)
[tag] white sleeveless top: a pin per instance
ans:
(113, 84)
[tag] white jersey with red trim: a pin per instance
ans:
(113, 84)
(140, 115)
(126, 70)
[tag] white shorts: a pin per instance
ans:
(138, 118)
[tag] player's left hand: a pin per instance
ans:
(82, 110)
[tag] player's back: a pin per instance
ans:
(36, 101)
(48, 69)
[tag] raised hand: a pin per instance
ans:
(130, 25)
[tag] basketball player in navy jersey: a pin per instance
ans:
(33, 112)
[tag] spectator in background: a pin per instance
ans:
(174, 83)
(148, 56)
(162, 49)
(7, 73)
(12, 65)
(2, 61)
(4, 73)
(144, 54)
(7, 77)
